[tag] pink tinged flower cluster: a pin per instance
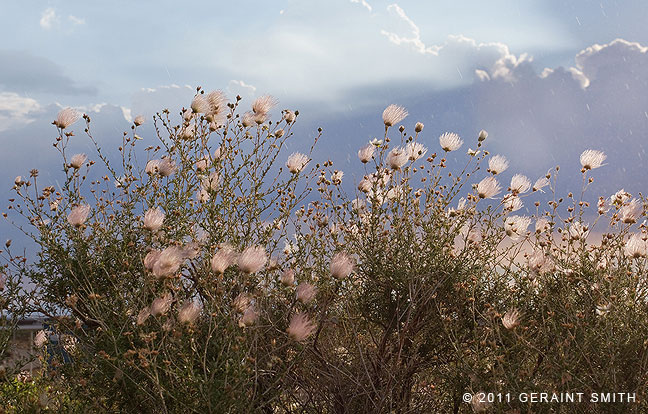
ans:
(164, 167)
(153, 219)
(450, 141)
(249, 317)
(189, 312)
(393, 114)
(66, 117)
(288, 277)
(300, 327)
(252, 259)
(296, 162)
(78, 215)
(168, 261)
(341, 265)
(223, 258)
(591, 159)
(305, 293)
(161, 305)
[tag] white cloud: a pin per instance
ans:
(77, 21)
(16, 111)
(49, 19)
(363, 3)
(238, 87)
(415, 33)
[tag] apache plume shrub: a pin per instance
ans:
(222, 274)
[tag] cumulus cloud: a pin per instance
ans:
(49, 19)
(16, 111)
(363, 3)
(549, 117)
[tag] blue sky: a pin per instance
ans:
(547, 78)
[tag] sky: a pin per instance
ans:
(547, 79)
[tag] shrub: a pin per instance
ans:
(215, 278)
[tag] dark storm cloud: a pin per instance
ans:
(25, 73)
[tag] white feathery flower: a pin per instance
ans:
(142, 316)
(482, 135)
(150, 259)
(202, 164)
(217, 101)
(153, 219)
(620, 197)
(66, 117)
(161, 305)
(40, 339)
(252, 259)
(296, 162)
(189, 312)
(603, 309)
(341, 265)
(223, 258)
(511, 318)
(305, 293)
(288, 277)
(169, 261)
(247, 120)
(512, 202)
(591, 159)
(249, 317)
(636, 246)
(336, 177)
(393, 114)
(542, 225)
(540, 183)
(78, 215)
(578, 231)
(488, 188)
(78, 160)
(366, 153)
(397, 157)
(300, 327)
(263, 104)
(188, 132)
(358, 204)
(415, 150)
(497, 164)
(630, 212)
(289, 116)
(199, 105)
(450, 141)
(516, 226)
(520, 184)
